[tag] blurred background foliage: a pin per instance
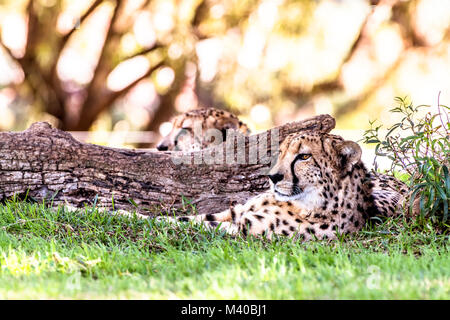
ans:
(129, 65)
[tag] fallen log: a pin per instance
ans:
(46, 163)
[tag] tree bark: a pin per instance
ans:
(46, 163)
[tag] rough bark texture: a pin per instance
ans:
(44, 162)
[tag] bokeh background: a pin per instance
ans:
(115, 71)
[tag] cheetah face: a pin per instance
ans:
(185, 135)
(199, 129)
(309, 161)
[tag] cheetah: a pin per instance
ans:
(389, 194)
(189, 130)
(319, 188)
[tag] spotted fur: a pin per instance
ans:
(319, 188)
(190, 130)
(388, 193)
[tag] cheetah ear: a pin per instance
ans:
(349, 154)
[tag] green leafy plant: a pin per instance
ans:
(419, 147)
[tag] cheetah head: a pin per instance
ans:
(199, 129)
(310, 162)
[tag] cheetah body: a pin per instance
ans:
(319, 189)
(330, 192)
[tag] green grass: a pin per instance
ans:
(48, 253)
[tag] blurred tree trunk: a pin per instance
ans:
(401, 15)
(166, 108)
(53, 96)
(48, 90)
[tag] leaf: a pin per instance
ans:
(441, 191)
(431, 194)
(378, 153)
(95, 203)
(132, 202)
(435, 206)
(445, 211)
(421, 204)
(413, 195)
(446, 179)
(395, 126)
(408, 138)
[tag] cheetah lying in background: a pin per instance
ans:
(183, 137)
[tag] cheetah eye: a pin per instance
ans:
(304, 156)
(181, 133)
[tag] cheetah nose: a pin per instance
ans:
(162, 147)
(276, 177)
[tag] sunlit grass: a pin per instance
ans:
(48, 253)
